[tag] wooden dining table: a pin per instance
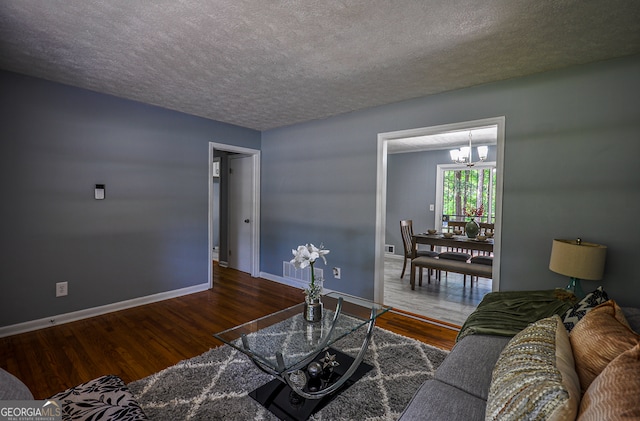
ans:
(455, 242)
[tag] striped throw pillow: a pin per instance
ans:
(534, 377)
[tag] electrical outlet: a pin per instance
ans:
(336, 273)
(62, 289)
(432, 207)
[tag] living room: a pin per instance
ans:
(577, 128)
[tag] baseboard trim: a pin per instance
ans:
(97, 311)
(393, 256)
(281, 280)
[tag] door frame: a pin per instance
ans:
(255, 212)
(381, 192)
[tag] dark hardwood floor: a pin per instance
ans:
(137, 342)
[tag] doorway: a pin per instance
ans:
(390, 140)
(250, 196)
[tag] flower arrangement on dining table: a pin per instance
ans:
(474, 212)
(306, 255)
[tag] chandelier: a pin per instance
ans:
(463, 155)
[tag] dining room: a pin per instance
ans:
(440, 194)
(442, 275)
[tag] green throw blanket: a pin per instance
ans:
(506, 313)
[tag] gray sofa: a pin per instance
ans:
(461, 384)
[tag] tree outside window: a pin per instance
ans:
(466, 190)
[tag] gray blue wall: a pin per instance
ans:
(572, 143)
(150, 235)
(411, 188)
(571, 151)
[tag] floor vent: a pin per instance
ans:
(289, 271)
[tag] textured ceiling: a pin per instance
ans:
(265, 64)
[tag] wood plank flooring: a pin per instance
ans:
(140, 341)
(447, 300)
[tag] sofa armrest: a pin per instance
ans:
(12, 389)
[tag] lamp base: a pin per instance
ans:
(575, 287)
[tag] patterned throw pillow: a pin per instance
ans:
(534, 377)
(598, 339)
(613, 395)
(577, 312)
(104, 398)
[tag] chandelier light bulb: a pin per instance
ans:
(463, 155)
(483, 151)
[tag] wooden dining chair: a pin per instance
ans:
(456, 226)
(406, 229)
(486, 228)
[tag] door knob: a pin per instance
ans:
(246, 221)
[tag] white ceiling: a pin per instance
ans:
(265, 64)
(445, 140)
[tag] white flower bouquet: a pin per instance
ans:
(307, 255)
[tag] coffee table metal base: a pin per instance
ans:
(284, 403)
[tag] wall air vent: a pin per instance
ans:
(289, 271)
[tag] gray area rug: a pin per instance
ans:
(215, 385)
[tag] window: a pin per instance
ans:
(461, 189)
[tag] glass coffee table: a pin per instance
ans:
(309, 371)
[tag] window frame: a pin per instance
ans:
(441, 168)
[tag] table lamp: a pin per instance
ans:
(578, 260)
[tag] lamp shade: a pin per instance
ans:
(483, 151)
(578, 259)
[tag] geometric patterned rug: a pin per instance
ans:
(215, 385)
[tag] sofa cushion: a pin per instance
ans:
(106, 397)
(534, 377)
(437, 401)
(613, 395)
(578, 311)
(12, 389)
(598, 339)
(469, 365)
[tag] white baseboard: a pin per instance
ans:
(286, 281)
(97, 311)
(393, 256)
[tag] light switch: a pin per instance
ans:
(99, 192)
(216, 169)
(432, 207)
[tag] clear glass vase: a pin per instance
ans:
(313, 310)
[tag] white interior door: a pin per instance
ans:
(240, 212)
